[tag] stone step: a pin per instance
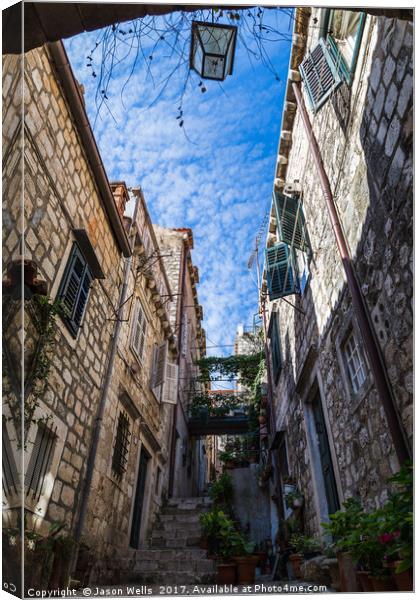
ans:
(179, 518)
(202, 565)
(168, 577)
(189, 503)
(170, 554)
(174, 531)
(174, 543)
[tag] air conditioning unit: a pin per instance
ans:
(292, 188)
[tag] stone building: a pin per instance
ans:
(186, 315)
(102, 373)
(330, 434)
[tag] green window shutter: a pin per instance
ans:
(280, 271)
(74, 289)
(320, 74)
(290, 221)
(275, 347)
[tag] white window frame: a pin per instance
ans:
(355, 363)
(139, 349)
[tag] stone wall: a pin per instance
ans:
(60, 194)
(364, 135)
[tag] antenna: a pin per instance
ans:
(258, 237)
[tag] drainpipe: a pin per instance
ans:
(181, 325)
(366, 328)
(103, 398)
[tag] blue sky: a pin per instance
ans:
(215, 174)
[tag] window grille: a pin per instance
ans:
(355, 363)
(10, 473)
(122, 440)
(40, 461)
(291, 225)
(138, 339)
(74, 289)
(320, 74)
(280, 271)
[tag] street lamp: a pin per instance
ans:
(212, 49)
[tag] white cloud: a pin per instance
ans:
(219, 185)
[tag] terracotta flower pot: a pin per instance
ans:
(403, 580)
(348, 579)
(364, 581)
(296, 560)
(245, 568)
(226, 573)
(383, 584)
(262, 420)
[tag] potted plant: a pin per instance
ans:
(221, 491)
(226, 566)
(306, 545)
(213, 525)
(341, 524)
(244, 558)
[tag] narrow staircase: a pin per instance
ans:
(173, 555)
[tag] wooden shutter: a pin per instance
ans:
(74, 289)
(138, 340)
(170, 390)
(10, 473)
(290, 221)
(280, 271)
(40, 461)
(157, 378)
(320, 74)
(275, 347)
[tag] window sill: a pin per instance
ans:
(360, 396)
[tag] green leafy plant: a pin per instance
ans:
(221, 491)
(305, 544)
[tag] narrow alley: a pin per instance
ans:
(216, 389)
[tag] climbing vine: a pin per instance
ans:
(42, 312)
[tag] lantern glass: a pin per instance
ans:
(212, 49)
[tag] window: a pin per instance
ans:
(40, 461)
(355, 362)
(138, 337)
(344, 30)
(122, 440)
(74, 289)
(274, 335)
(333, 60)
(302, 260)
(10, 473)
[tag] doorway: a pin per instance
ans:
(323, 470)
(139, 499)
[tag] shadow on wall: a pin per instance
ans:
(384, 254)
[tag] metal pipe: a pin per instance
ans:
(102, 401)
(366, 328)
